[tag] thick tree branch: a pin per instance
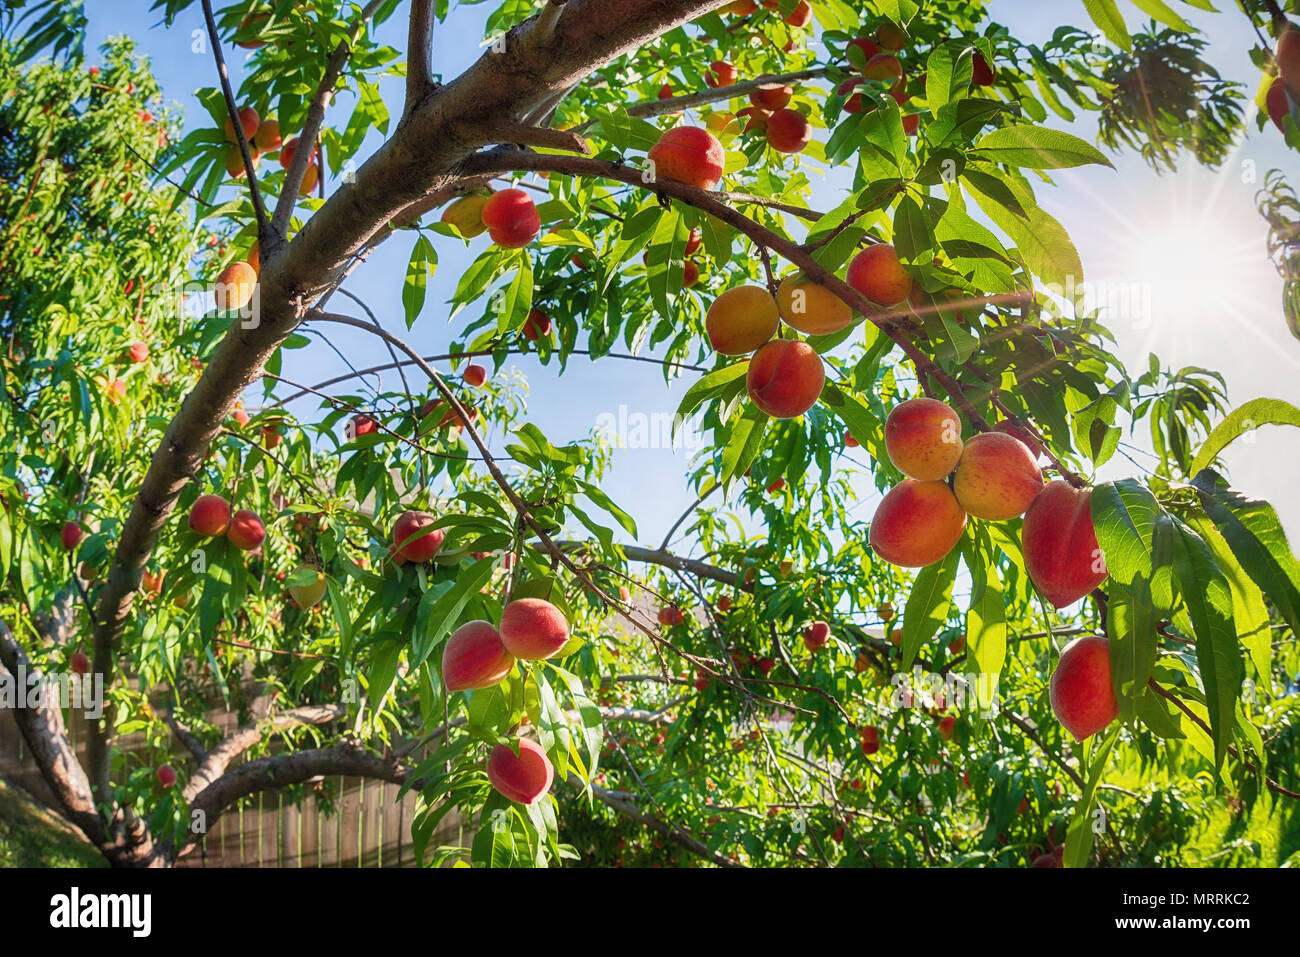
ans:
(419, 54)
(216, 761)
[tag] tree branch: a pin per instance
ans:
(419, 55)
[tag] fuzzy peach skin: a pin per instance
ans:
(812, 309)
(408, 545)
(533, 628)
(916, 524)
(997, 477)
(1060, 544)
(521, 778)
(923, 439)
(877, 273)
(690, 155)
(1081, 693)
(210, 515)
(475, 657)
(741, 319)
(785, 378)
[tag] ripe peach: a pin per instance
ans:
(267, 137)
(771, 96)
(79, 663)
(210, 515)
(891, 37)
(235, 286)
(983, 73)
(693, 242)
(1276, 103)
(776, 486)
(788, 131)
(742, 8)
(785, 378)
(511, 218)
(235, 162)
(246, 530)
(665, 92)
(670, 615)
(522, 777)
(816, 635)
(690, 274)
(853, 101)
(1288, 59)
(870, 739)
(537, 324)
(883, 66)
(305, 596)
(1060, 544)
(139, 351)
(70, 535)
(688, 154)
(720, 73)
(286, 152)
(248, 119)
(1017, 430)
(885, 612)
(360, 425)
(850, 442)
(868, 46)
(310, 177)
(916, 524)
(923, 439)
(947, 724)
(800, 15)
(877, 273)
(116, 390)
(466, 214)
(166, 776)
(412, 542)
(755, 119)
(474, 657)
(741, 319)
(475, 374)
(811, 308)
(911, 123)
(533, 628)
(1081, 693)
(997, 477)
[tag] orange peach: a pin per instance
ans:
(772, 95)
(1018, 430)
(267, 137)
(883, 66)
(811, 308)
(785, 378)
(720, 73)
(248, 120)
(916, 524)
(741, 319)
(235, 286)
(891, 37)
(997, 477)
(877, 273)
(923, 439)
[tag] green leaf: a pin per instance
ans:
(1253, 532)
(1106, 15)
(1245, 419)
(1078, 838)
(1162, 12)
(1124, 516)
(986, 625)
(928, 605)
(1037, 147)
(1208, 598)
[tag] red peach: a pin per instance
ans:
(523, 777)
(785, 378)
(1060, 544)
(410, 540)
(210, 515)
(533, 628)
(688, 154)
(1081, 693)
(877, 273)
(923, 439)
(475, 657)
(511, 218)
(916, 524)
(996, 478)
(70, 535)
(246, 530)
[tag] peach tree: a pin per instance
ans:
(964, 677)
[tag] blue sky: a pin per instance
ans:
(1192, 239)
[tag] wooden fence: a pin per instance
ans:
(366, 827)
